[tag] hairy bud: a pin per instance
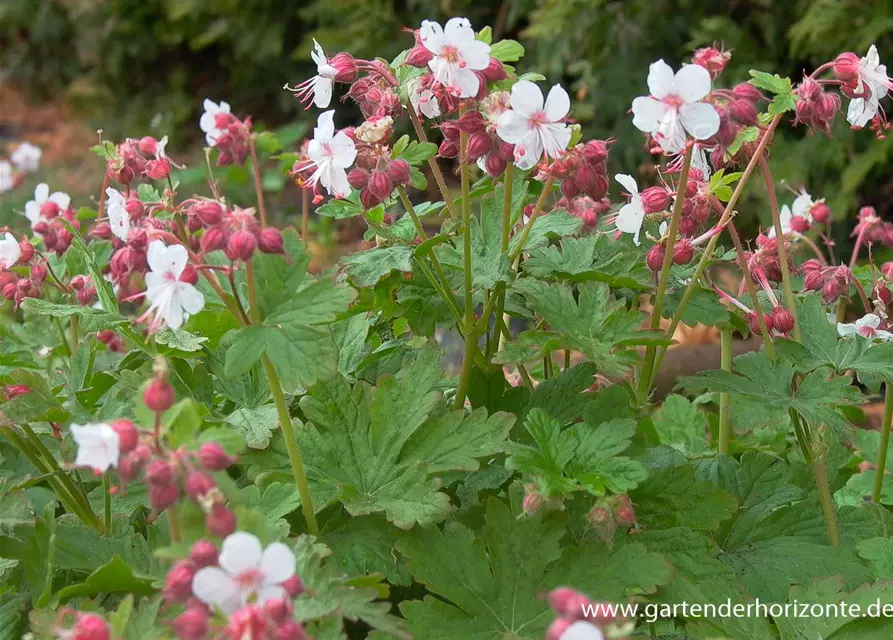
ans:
(128, 434)
(178, 582)
(821, 212)
(159, 395)
(203, 554)
(655, 257)
(213, 239)
(213, 457)
(782, 320)
(240, 245)
(270, 240)
(221, 521)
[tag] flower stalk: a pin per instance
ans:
(725, 398)
(881, 466)
(432, 164)
(258, 184)
(470, 339)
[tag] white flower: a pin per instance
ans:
(631, 215)
(457, 55)
(423, 100)
(42, 196)
(582, 630)
(6, 180)
(784, 217)
(9, 251)
(26, 157)
(872, 78)
(801, 208)
(115, 207)
(172, 301)
(866, 326)
(323, 81)
(208, 121)
(330, 154)
(98, 446)
(533, 128)
(674, 109)
(246, 571)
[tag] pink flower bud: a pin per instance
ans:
(210, 212)
(9, 290)
(78, 282)
(558, 628)
(533, 502)
(799, 224)
(831, 291)
(479, 144)
(782, 320)
(90, 627)
(38, 273)
(192, 624)
(345, 67)
(471, 122)
(289, 630)
(178, 581)
(712, 59)
(358, 178)
(203, 554)
(683, 252)
(162, 496)
(495, 71)
(159, 395)
(595, 150)
(158, 169)
(220, 521)
(270, 240)
(198, 484)
(847, 67)
(655, 199)
(240, 245)
(562, 601)
(277, 609)
(213, 457)
(293, 586)
(15, 390)
(826, 108)
(160, 472)
(755, 323)
(624, 514)
(419, 56)
(449, 148)
(49, 209)
(813, 281)
(128, 434)
(380, 185)
(26, 251)
(147, 145)
(138, 239)
(102, 230)
(821, 212)
(399, 172)
(450, 130)
(743, 111)
(495, 165)
(86, 295)
(746, 91)
(655, 258)
(213, 239)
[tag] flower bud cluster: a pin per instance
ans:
(571, 608)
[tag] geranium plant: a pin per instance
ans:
(200, 439)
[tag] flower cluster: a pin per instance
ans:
(226, 133)
(24, 159)
(143, 158)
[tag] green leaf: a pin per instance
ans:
(763, 392)
(594, 322)
(879, 553)
(746, 134)
(180, 340)
(675, 498)
(507, 51)
(366, 268)
(589, 258)
(703, 307)
(564, 396)
(376, 446)
(771, 83)
(182, 422)
(558, 223)
(148, 193)
(115, 576)
(842, 622)
(38, 405)
(90, 319)
(489, 262)
(680, 425)
(366, 545)
(13, 615)
(256, 425)
(319, 302)
(416, 152)
(470, 573)
(860, 487)
(280, 275)
(267, 142)
(340, 208)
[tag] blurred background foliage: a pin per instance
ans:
(142, 66)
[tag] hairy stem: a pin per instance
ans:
(821, 481)
(173, 524)
(432, 163)
(258, 185)
(881, 465)
(790, 300)
(470, 340)
(725, 398)
(522, 239)
(651, 352)
(752, 290)
(74, 333)
(305, 215)
(508, 179)
(107, 502)
(285, 423)
(859, 238)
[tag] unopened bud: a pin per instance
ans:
(198, 484)
(782, 320)
(821, 212)
(293, 586)
(831, 291)
(213, 239)
(743, 111)
(240, 245)
(799, 224)
(495, 165)
(755, 323)
(158, 169)
(38, 273)
(277, 609)
(26, 251)
(213, 457)
(221, 521)
(159, 395)
(178, 582)
(128, 434)
(192, 624)
(655, 257)
(479, 144)
(813, 280)
(683, 251)
(380, 185)
(419, 56)
(210, 212)
(471, 122)
(203, 554)
(847, 67)
(399, 172)
(270, 240)
(90, 627)
(495, 71)
(655, 199)
(746, 91)
(162, 496)
(449, 148)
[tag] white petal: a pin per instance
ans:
(513, 127)
(224, 107)
(431, 36)
(277, 564)
(869, 320)
(428, 104)
(240, 552)
(10, 252)
(886, 336)
(191, 299)
(630, 217)
(41, 192)
(344, 150)
(207, 122)
(860, 112)
(529, 151)
(61, 199)
(335, 182)
(476, 55)
(801, 205)
(554, 138)
(467, 82)
(458, 32)
(162, 259)
(318, 55)
(558, 103)
(628, 182)
(213, 587)
(527, 98)
(699, 118)
(322, 91)
(32, 212)
(98, 446)
(647, 113)
(661, 82)
(210, 107)
(846, 329)
(582, 630)
(662, 229)
(325, 126)
(270, 592)
(692, 82)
